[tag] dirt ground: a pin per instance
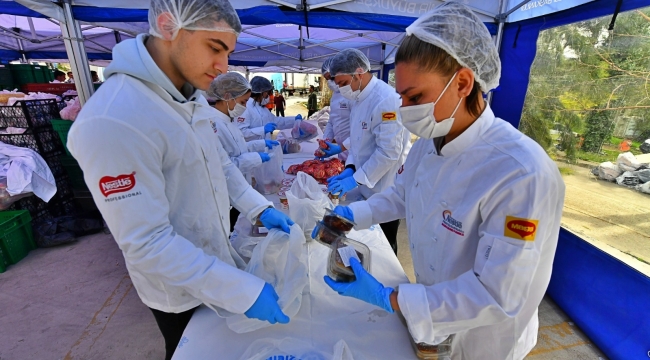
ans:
(606, 212)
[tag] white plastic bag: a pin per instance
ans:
(304, 131)
(628, 178)
(287, 348)
(307, 202)
(279, 260)
(627, 162)
(608, 171)
(644, 188)
(242, 240)
(72, 109)
(269, 175)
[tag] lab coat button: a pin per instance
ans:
(435, 239)
(430, 152)
(432, 268)
(443, 203)
(412, 246)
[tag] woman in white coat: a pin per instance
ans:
(482, 201)
(338, 126)
(232, 91)
(257, 120)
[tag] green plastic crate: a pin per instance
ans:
(6, 78)
(39, 74)
(16, 238)
(75, 173)
(62, 127)
(22, 74)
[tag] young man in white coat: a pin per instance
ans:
(378, 142)
(482, 201)
(257, 120)
(161, 181)
(338, 126)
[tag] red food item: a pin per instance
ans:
(319, 153)
(319, 174)
(331, 172)
(323, 144)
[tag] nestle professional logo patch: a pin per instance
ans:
(112, 185)
(521, 229)
(451, 224)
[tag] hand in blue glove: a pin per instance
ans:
(266, 307)
(365, 287)
(271, 143)
(333, 149)
(344, 211)
(270, 127)
(274, 219)
(298, 117)
(265, 157)
(344, 174)
(342, 186)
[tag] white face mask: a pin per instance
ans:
(332, 85)
(237, 111)
(419, 119)
(265, 101)
(347, 92)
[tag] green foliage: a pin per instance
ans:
(582, 67)
(599, 129)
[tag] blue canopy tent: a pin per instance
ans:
(603, 295)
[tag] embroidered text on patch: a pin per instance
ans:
(520, 228)
(452, 224)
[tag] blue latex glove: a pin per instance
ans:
(298, 117)
(342, 186)
(274, 219)
(365, 287)
(344, 211)
(265, 157)
(344, 174)
(333, 149)
(270, 127)
(271, 143)
(266, 307)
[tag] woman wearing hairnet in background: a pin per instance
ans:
(482, 201)
(257, 120)
(232, 91)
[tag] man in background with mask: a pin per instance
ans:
(160, 178)
(338, 126)
(378, 142)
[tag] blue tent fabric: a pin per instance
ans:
(519, 47)
(12, 8)
(606, 298)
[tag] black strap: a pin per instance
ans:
(618, 9)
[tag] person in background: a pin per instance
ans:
(482, 201)
(338, 126)
(70, 78)
(160, 180)
(284, 87)
(280, 103)
(378, 142)
(232, 91)
(95, 77)
(256, 121)
(271, 104)
(59, 77)
(312, 101)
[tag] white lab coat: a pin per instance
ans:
(338, 126)
(252, 121)
(378, 142)
(245, 155)
(164, 186)
(473, 278)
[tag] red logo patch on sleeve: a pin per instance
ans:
(241, 119)
(112, 185)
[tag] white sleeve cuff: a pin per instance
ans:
(256, 145)
(413, 303)
(362, 214)
(259, 131)
(361, 178)
(346, 143)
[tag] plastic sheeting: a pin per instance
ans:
(606, 298)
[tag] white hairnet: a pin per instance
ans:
(228, 86)
(455, 28)
(349, 62)
(260, 84)
(211, 15)
(326, 65)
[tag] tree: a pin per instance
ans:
(599, 128)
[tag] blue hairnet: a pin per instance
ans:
(260, 84)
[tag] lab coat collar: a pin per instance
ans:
(221, 116)
(368, 90)
(471, 135)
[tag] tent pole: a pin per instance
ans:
(381, 63)
(74, 45)
(248, 73)
(23, 58)
(301, 44)
(501, 18)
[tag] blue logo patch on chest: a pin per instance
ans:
(451, 224)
